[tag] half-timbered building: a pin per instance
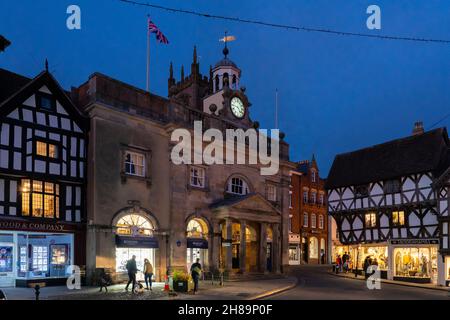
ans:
(42, 180)
(387, 209)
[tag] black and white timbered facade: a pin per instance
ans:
(43, 143)
(388, 208)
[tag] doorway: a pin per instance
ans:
(269, 256)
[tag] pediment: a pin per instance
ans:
(255, 203)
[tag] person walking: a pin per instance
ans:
(345, 262)
(148, 274)
(132, 270)
(338, 263)
(196, 269)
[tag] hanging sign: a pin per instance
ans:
(136, 242)
(198, 243)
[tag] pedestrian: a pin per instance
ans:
(344, 262)
(367, 263)
(132, 270)
(322, 256)
(338, 263)
(196, 270)
(148, 274)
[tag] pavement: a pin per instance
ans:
(316, 282)
(236, 290)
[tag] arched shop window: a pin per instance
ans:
(197, 228)
(134, 225)
(313, 248)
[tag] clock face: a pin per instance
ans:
(237, 107)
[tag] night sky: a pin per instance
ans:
(336, 94)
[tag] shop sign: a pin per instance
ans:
(198, 243)
(31, 226)
(414, 241)
(226, 243)
(136, 242)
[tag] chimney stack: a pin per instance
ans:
(418, 128)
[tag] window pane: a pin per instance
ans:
(49, 202)
(37, 186)
(52, 151)
(41, 148)
(37, 205)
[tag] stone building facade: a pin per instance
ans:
(141, 203)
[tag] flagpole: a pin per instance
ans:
(276, 108)
(147, 87)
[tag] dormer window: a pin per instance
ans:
(237, 186)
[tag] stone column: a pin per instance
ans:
(242, 247)
(214, 245)
(228, 253)
(262, 254)
(276, 247)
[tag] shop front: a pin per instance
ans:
(415, 260)
(197, 242)
(374, 254)
(447, 271)
(29, 254)
(135, 237)
(294, 249)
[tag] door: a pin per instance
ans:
(6, 264)
(269, 256)
(235, 256)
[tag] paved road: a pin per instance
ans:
(315, 282)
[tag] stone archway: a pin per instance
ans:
(197, 241)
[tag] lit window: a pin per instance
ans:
(305, 219)
(135, 164)
(321, 221)
(134, 225)
(237, 186)
(313, 221)
(271, 192)
(197, 177)
(46, 149)
(41, 199)
(305, 196)
(398, 218)
(371, 220)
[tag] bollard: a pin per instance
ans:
(37, 291)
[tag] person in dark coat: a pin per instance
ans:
(132, 270)
(196, 269)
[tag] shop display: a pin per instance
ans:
(415, 262)
(6, 258)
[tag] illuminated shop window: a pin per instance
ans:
(415, 262)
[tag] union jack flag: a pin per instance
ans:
(152, 28)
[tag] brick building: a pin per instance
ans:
(308, 215)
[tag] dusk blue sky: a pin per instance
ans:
(336, 94)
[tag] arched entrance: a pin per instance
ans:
(134, 236)
(197, 242)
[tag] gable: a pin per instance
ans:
(24, 106)
(256, 203)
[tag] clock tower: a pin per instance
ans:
(228, 99)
